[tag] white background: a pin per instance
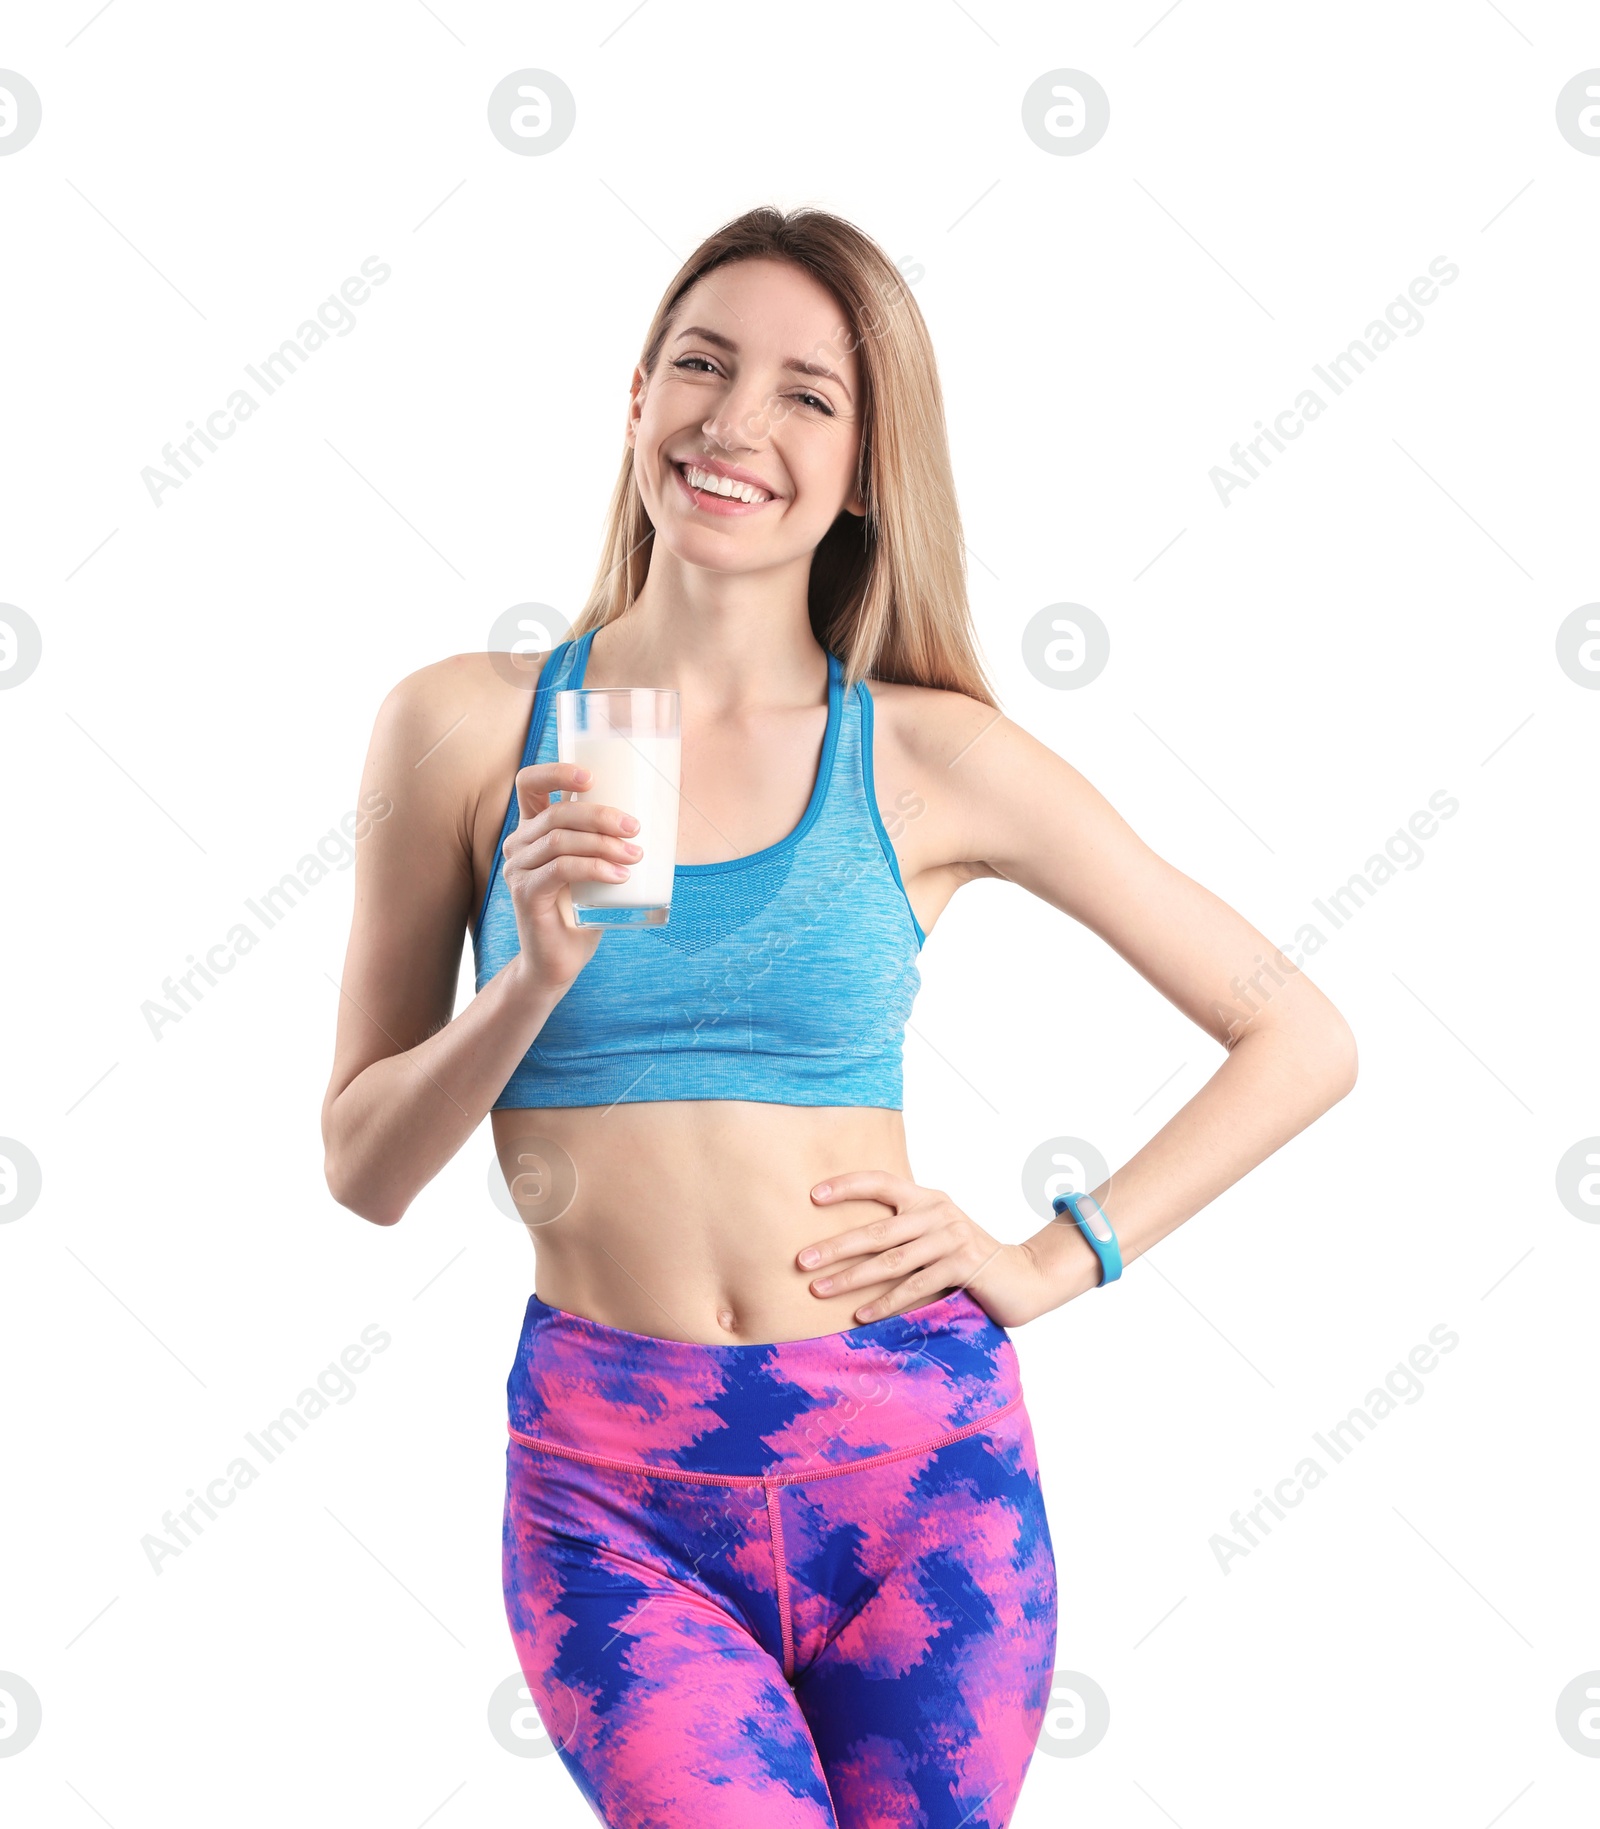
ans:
(1373, 620)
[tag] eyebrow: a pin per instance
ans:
(796, 363)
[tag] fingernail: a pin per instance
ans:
(629, 823)
(823, 1284)
(810, 1256)
(822, 1188)
(581, 774)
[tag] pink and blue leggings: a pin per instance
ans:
(798, 1585)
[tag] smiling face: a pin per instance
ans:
(757, 391)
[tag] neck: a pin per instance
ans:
(729, 643)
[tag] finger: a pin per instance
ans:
(932, 1280)
(870, 1235)
(885, 1266)
(906, 1197)
(539, 780)
(953, 1256)
(614, 831)
(537, 846)
(593, 816)
(565, 868)
(867, 1184)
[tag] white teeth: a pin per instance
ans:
(722, 485)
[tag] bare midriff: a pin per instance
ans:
(681, 1218)
(684, 1219)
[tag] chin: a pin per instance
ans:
(711, 550)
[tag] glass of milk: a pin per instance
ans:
(630, 740)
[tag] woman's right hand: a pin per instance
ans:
(556, 844)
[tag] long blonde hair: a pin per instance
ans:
(888, 593)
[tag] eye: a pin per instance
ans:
(707, 367)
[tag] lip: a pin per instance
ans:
(721, 504)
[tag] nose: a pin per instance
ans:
(744, 417)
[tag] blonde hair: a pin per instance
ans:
(888, 593)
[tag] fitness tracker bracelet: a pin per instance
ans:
(1091, 1221)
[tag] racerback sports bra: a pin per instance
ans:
(786, 976)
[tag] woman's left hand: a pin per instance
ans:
(930, 1239)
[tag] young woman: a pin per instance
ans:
(775, 1548)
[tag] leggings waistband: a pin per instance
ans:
(789, 1409)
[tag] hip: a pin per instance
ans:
(865, 1507)
(774, 1413)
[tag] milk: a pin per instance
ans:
(640, 776)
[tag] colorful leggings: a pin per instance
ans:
(801, 1584)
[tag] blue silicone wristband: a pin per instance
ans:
(1106, 1249)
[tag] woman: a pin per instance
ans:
(775, 1548)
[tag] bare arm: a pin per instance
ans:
(410, 1083)
(1029, 816)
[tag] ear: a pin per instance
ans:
(636, 389)
(854, 504)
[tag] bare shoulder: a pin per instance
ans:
(994, 791)
(927, 724)
(463, 685)
(446, 745)
(458, 723)
(1001, 803)
(923, 739)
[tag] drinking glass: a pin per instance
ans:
(630, 740)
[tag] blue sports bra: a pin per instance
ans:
(786, 976)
